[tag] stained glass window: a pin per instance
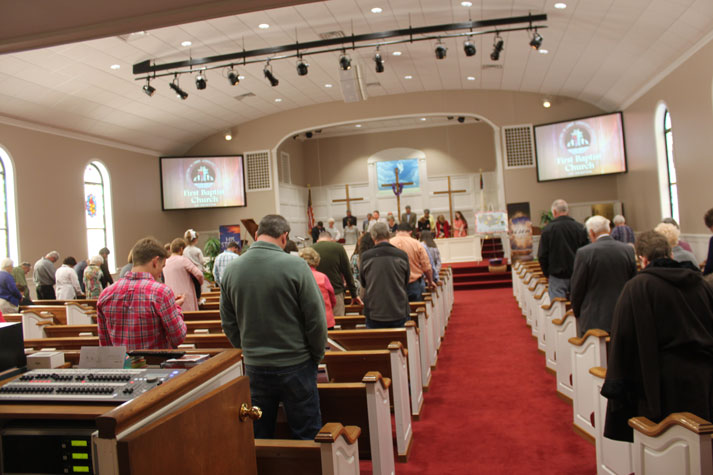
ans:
(672, 181)
(97, 210)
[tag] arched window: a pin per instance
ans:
(97, 209)
(8, 216)
(671, 168)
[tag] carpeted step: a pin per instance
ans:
(487, 284)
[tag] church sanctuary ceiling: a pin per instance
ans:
(604, 52)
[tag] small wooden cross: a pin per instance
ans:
(398, 195)
(347, 199)
(450, 197)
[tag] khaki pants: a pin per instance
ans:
(7, 307)
(339, 306)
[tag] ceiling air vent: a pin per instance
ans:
(492, 66)
(328, 35)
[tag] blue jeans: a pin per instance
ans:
(558, 287)
(391, 324)
(294, 386)
(415, 290)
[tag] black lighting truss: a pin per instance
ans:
(149, 70)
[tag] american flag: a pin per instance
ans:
(310, 211)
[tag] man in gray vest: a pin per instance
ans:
(43, 276)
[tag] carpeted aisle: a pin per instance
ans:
(492, 408)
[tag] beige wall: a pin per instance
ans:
(498, 107)
(49, 173)
(687, 93)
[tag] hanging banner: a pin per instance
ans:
(229, 232)
(520, 231)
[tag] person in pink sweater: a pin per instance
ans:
(178, 275)
(312, 258)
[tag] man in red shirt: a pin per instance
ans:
(138, 311)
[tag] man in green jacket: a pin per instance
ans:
(272, 308)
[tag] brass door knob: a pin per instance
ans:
(253, 413)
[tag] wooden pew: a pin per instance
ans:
(565, 328)
(552, 310)
(54, 331)
(679, 444)
(80, 313)
(351, 366)
(57, 312)
(613, 456)
(365, 405)
(43, 303)
(586, 352)
(200, 315)
(334, 451)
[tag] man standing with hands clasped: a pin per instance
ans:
(420, 266)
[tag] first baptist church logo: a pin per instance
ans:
(202, 174)
(577, 138)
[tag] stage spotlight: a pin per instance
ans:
(461, 119)
(269, 76)
(308, 135)
(201, 81)
(378, 63)
(498, 44)
(345, 62)
(302, 68)
(441, 51)
(536, 41)
(180, 93)
(469, 48)
(233, 77)
(148, 88)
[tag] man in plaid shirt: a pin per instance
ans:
(138, 311)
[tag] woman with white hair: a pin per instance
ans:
(93, 277)
(67, 283)
(671, 233)
(10, 297)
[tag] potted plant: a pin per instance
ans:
(546, 217)
(211, 249)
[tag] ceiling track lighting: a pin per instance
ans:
(441, 51)
(180, 93)
(498, 45)
(536, 41)
(148, 88)
(233, 77)
(267, 71)
(345, 62)
(469, 47)
(151, 69)
(378, 62)
(302, 67)
(201, 81)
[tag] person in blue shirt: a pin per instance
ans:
(10, 297)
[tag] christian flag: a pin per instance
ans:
(310, 211)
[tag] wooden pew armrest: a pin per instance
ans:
(684, 419)
(594, 332)
(333, 430)
(376, 377)
(598, 371)
(396, 345)
(552, 302)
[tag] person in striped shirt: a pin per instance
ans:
(223, 259)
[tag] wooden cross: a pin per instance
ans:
(347, 199)
(398, 195)
(450, 197)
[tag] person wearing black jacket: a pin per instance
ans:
(384, 274)
(106, 279)
(558, 245)
(661, 352)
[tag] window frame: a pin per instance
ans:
(107, 215)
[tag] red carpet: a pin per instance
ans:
(492, 408)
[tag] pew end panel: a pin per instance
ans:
(586, 352)
(679, 444)
(565, 328)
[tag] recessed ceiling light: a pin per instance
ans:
(543, 51)
(327, 85)
(560, 5)
(358, 126)
(408, 77)
(396, 53)
(115, 66)
(185, 44)
(546, 104)
(263, 26)
(466, 4)
(423, 118)
(376, 10)
(278, 99)
(471, 78)
(241, 77)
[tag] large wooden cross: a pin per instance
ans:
(397, 191)
(347, 199)
(450, 197)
